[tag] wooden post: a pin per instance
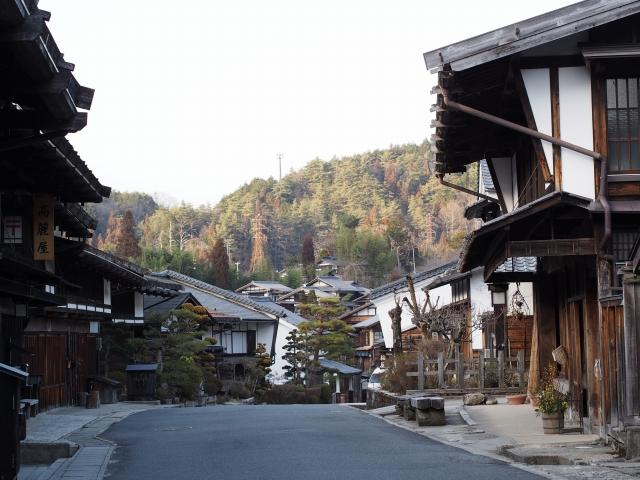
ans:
(501, 369)
(459, 367)
(481, 371)
(420, 371)
(441, 370)
(521, 368)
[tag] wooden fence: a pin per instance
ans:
(444, 369)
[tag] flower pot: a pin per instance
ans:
(553, 422)
(516, 399)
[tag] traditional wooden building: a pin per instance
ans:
(241, 322)
(551, 104)
(43, 180)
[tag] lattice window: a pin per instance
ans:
(623, 241)
(623, 127)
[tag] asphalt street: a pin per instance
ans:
(285, 442)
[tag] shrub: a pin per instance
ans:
(395, 379)
(296, 394)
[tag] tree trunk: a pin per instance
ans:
(396, 327)
(534, 365)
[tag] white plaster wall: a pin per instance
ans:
(277, 369)
(505, 174)
(538, 86)
(138, 300)
(264, 333)
(480, 302)
(576, 126)
(386, 303)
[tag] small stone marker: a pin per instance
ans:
(491, 401)
(401, 402)
(429, 411)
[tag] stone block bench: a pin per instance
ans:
(401, 402)
(428, 411)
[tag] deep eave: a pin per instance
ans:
(529, 33)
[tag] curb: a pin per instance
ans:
(493, 456)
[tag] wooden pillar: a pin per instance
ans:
(420, 371)
(441, 383)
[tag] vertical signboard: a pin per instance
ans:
(43, 225)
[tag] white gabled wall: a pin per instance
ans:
(537, 83)
(385, 303)
(277, 369)
(507, 180)
(576, 126)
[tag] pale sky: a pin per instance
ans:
(194, 98)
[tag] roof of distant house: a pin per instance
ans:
(161, 306)
(418, 277)
(338, 367)
(355, 310)
(291, 317)
(217, 299)
(485, 174)
(267, 285)
(369, 322)
(339, 284)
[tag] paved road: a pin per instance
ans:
(285, 442)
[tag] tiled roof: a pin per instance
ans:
(418, 277)
(341, 368)
(289, 316)
(368, 322)
(219, 299)
(279, 287)
(519, 265)
(339, 284)
(487, 181)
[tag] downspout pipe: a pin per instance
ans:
(604, 164)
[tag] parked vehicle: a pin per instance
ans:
(375, 380)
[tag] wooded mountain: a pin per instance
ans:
(373, 211)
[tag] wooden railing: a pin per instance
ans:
(444, 369)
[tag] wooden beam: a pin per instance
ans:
(531, 123)
(551, 248)
(555, 126)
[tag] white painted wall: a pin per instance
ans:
(138, 301)
(264, 333)
(107, 291)
(386, 303)
(505, 173)
(576, 126)
(480, 302)
(277, 369)
(538, 86)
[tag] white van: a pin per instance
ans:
(375, 380)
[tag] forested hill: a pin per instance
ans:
(370, 210)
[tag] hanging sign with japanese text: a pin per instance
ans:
(43, 226)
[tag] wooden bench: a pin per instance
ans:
(30, 406)
(429, 411)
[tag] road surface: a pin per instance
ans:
(307, 442)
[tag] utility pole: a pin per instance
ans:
(279, 167)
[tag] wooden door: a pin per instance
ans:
(612, 331)
(577, 371)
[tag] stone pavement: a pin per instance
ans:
(80, 426)
(473, 432)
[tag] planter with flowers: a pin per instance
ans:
(551, 403)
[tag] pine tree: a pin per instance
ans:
(308, 251)
(126, 243)
(308, 258)
(219, 262)
(296, 357)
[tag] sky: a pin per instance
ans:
(196, 97)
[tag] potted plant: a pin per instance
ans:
(551, 403)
